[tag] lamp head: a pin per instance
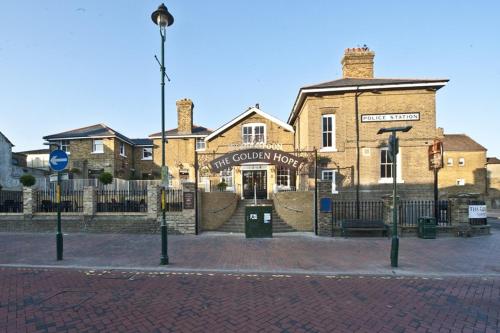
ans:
(162, 17)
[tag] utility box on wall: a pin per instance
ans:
(258, 221)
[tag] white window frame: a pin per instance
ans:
(229, 175)
(200, 140)
(399, 176)
(148, 158)
(333, 172)
(64, 146)
(94, 150)
(449, 162)
(252, 135)
(460, 182)
(122, 149)
(287, 174)
(461, 162)
(331, 133)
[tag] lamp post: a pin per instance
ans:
(163, 19)
(393, 152)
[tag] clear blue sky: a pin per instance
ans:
(67, 64)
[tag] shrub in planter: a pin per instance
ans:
(27, 180)
(221, 186)
(106, 178)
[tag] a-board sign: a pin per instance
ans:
(188, 200)
(477, 212)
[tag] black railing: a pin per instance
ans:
(347, 210)
(173, 200)
(122, 201)
(411, 211)
(71, 201)
(11, 201)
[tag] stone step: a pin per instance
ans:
(236, 223)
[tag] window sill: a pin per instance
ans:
(201, 149)
(123, 155)
(327, 150)
(389, 181)
(146, 159)
(97, 152)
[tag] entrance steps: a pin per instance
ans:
(236, 223)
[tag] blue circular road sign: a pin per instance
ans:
(58, 160)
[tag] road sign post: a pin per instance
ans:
(393, 149)
(58, 161)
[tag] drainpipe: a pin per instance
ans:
(356, 95)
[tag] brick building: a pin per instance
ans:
(341, 118)
(98, 148)
(464, 166)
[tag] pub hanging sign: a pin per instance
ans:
(239, 157)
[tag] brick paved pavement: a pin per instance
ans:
(52, 300)
(285, 254)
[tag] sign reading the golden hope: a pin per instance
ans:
(239, 157)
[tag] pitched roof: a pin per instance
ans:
(35, 151)
(245, 114)
(460, 142)
(197, 131)
(94, 131)
(492, 160)
(7, 139)
(142, 142)
(354, 84)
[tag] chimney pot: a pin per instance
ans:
(358, 63)
(185, 116)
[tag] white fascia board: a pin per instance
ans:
(93, 137)
(245, 114)
(303, 92)
(179, 136)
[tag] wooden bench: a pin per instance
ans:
(363, 225)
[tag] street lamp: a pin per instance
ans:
(393, 151)
(163, 19)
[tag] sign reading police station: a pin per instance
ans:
(365, 118)
(276, 157)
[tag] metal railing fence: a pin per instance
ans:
(116, 201)
(11, 201)
(71, 201)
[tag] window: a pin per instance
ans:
(122, 149)
(254, 133)
(64, 146)
(386, 171)
(450, 161)
(97, 147)
(460, 182)
(200, 144)
(147, 153)
(328, 132)
(385, 164)
(461, 161)
(283, 176)
(226, 176)
(330, 175)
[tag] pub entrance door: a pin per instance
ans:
(256, 178)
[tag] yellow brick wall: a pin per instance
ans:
(81, 156)
(473, 172)
(179, 153)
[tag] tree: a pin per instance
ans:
(106, 178)
(27, 180)
(222, 186)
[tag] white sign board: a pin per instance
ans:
(477, 212)
(267, 218)
(53, 177)
(390, 117)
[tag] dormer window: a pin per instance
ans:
(254, 133)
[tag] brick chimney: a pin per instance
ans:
(184, 116)
(358, 63)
